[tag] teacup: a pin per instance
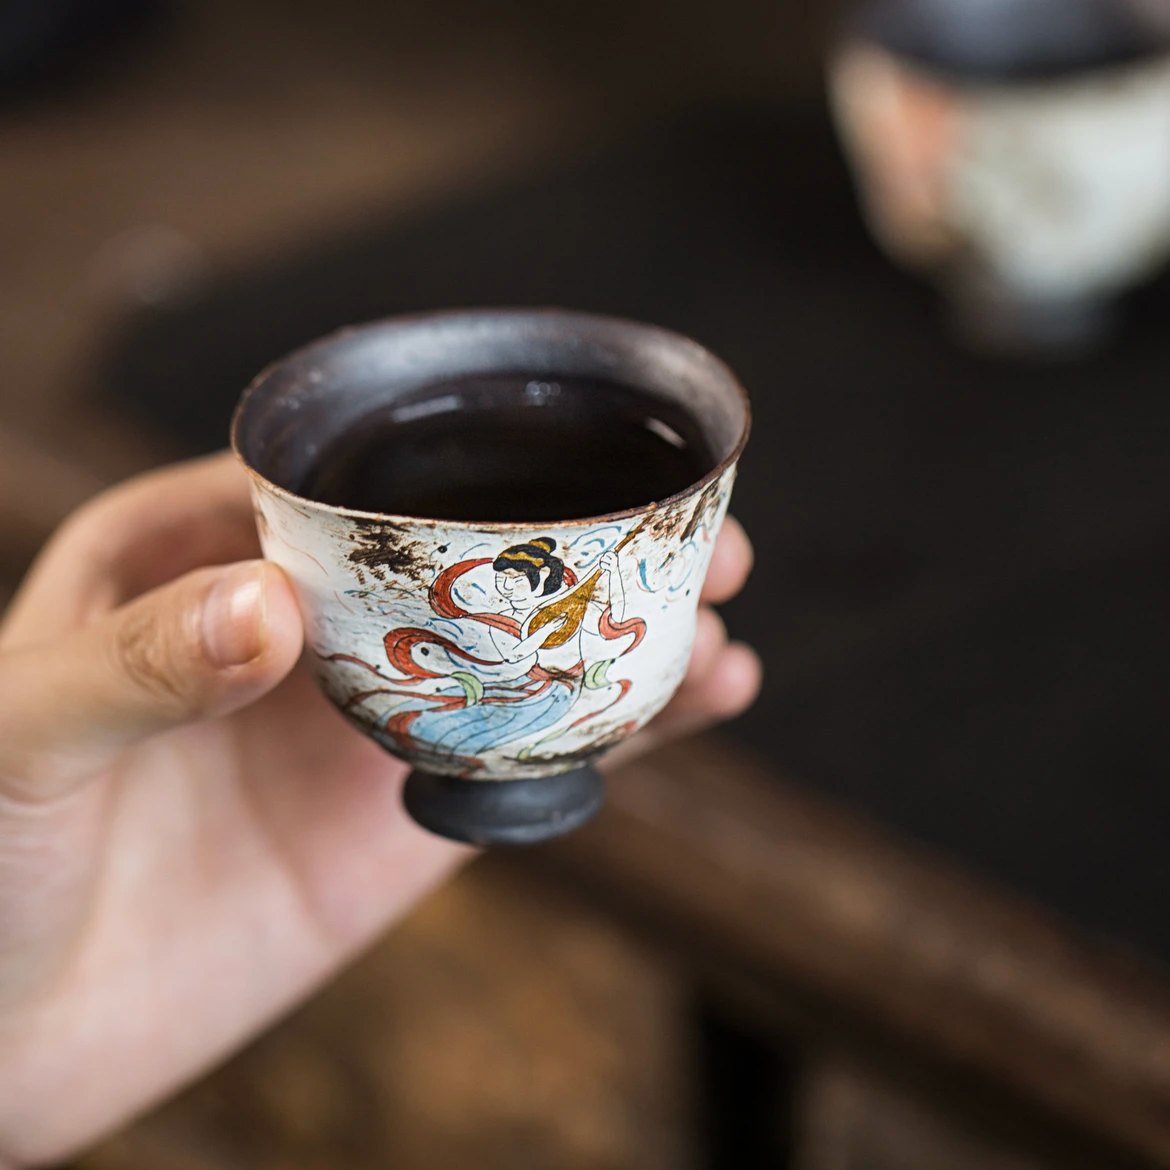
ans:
(1018, 152)
(427, 633)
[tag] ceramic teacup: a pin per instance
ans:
(1018, 151)
(426, 633)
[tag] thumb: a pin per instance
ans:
(201, 646)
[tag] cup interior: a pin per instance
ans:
(301, 405)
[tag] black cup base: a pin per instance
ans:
(996, 323)
(504, 812)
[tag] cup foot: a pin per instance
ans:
(504, 812)
(996, 323)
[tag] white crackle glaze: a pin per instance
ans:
(416, 653)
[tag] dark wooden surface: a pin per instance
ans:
(856, 1118)
(710, 846)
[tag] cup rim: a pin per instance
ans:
(969, 83)
(569, 317)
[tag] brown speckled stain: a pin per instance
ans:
(704, 510)
(663, 525)
(381, 550)
(604, 739)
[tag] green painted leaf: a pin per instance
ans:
(595, 679)
(472, 687)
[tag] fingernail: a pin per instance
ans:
(233, 617)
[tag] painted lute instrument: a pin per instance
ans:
(574, 603)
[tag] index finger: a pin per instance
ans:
(132, 538)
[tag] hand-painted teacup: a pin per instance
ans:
(1016, 150)
(499, 659)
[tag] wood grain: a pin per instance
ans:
(702, 839)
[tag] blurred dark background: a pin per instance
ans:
(961, 584)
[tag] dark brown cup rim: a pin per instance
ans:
(975, 84)
(573, 322)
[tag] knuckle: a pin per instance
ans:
(88, 530)
(74, 532)
(95, 513)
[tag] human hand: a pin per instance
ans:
(609, 562)
(191, 837)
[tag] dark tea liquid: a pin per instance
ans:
(513, 448)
